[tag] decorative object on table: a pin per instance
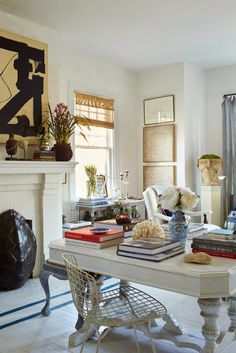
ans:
(210, 166)
(61, 126)
(232, 220)
(124, 184)
(122, 217)
(23, 144)
(91, 171)
(199, 258)
(159, 110)
(11, 147)
(178, 199)
(101, 188)
(146, 229)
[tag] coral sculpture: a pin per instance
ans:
(199, 258)
(146, 229)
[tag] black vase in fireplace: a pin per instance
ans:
(17, 250)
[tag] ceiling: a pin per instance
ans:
(139, 35)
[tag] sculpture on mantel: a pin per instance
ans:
(210, 166)
(11, 147)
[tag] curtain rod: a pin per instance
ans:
(228, 95)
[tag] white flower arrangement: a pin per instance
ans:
(178, 198)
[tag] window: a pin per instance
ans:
(98, 149)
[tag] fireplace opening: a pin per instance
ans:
(17, 250)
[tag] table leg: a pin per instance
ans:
(56, 271)
(210, 309)
(232, 313)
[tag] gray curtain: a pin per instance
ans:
(229, 149)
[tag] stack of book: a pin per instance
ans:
(219, 242)
(76, 225)
(150, 250)
(86, 237)
(44, 156)
(92, 201)
(194, 229)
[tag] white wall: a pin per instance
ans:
(68, 71)
(194, 122)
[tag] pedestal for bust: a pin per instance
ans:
(211, 200)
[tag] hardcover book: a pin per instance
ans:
(153, 257)
(211, 239)
(147, 247)
(93, 245)
(222, 234)
(213, 247)
(87, 235)
(216, 253)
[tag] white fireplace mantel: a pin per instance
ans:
(33, 167)
(34, 189)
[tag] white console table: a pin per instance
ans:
(207, 283)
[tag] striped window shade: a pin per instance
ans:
(99, 110)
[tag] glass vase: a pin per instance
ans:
(91, 187)
(178, 227)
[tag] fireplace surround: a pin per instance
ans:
(34, 189)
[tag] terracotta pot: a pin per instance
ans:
(63, 152)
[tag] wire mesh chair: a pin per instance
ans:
(124, 306)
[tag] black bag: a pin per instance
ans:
(17, 250)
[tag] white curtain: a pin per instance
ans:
(229, 149)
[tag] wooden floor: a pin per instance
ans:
(23, 330)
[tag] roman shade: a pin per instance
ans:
(99, 110)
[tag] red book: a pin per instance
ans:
(87, 235)
(216, 253)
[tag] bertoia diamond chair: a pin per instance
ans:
(124, 306)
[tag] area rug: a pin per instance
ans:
(31, 299)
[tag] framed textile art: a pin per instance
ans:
(159, 143)
(159, 110)
(158, 175)
(23, 86)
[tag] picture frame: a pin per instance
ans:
(159, 143)
(158, 175)
(159, 110)
(24, 90)
(101, 187)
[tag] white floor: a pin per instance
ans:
(50, 334)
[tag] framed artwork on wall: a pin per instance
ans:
(158, 175)
(159, 110)
(159, 143)
(23, 86)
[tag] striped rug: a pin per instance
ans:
(30, 306)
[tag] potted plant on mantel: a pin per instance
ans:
(61, 126)
(210, 166)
